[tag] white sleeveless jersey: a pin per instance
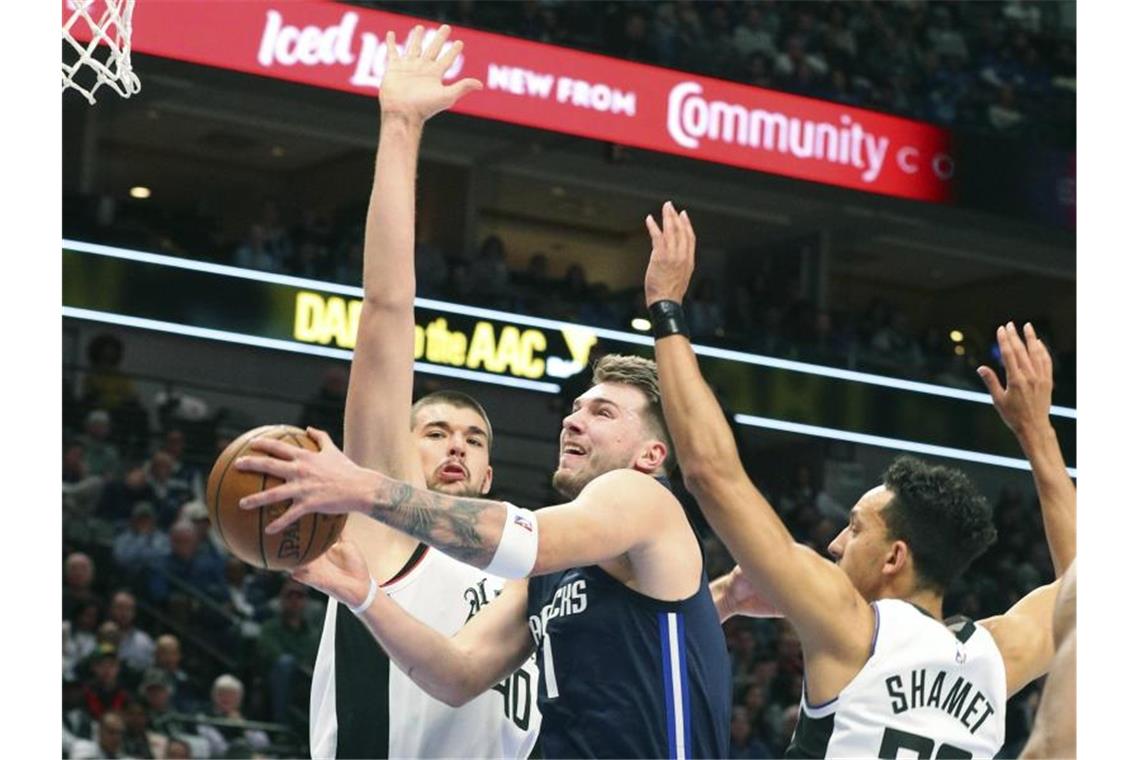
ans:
(362, 707)
(929, 690)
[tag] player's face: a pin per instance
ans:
(454, 452)
(604, 432)
(862, 548)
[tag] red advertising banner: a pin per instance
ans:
(338, 46)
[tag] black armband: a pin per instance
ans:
(668, 318)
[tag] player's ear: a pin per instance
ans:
(485, 487)
(898, 557)
(652, 457)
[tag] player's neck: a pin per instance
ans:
(927, 600)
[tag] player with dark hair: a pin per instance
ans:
(632, 658)
(359, 705)
(884, 675)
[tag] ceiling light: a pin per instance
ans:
(957, 336)
(138, 191)
(640, 323)
(960, 350)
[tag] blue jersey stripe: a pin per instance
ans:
(666, 673)
(686, 714)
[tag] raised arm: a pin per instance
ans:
(453, 670)
(622, 513)
(815, 595)
(1024, 407)
(378, 408)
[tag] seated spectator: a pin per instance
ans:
(78, 582)
(139, 740)
(77, 723)
(246, 600)
(182, 473)
(575, 288)
(100, 455)
(121, 495)
(157, 691)
(185, 696)
(1004, 114)
(177, 749)
(489, 276)
(325, 409)
(141, 546)
(536, 276)
(81, 490)
(743, 742)
(136, 647)
(190, 563)
(109, 742)
(108, 633)
(102, 691)
(287, 642)
(169, 493)
(226, 697)
(80, 635)
(105, 386)
(706, 318)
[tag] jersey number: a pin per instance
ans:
(895, 740)
(516, 698)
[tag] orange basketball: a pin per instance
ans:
(243, 530)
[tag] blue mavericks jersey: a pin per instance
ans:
(625, 675)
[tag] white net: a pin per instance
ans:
(105, 58)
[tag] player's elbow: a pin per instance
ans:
(705, 477)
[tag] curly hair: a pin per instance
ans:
(940, 515)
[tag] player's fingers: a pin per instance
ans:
(450, 54)
(436, 43)
(274, 468)
(687, 229)
(415, 42)
(283, 492)
(1008, 359)
(992, 383)
(462, 87)
(274, 448)
(1038, 352)
(323, 439)
(1020, 354)
(654, 230)
(392, 51)
(292, 515)
(669, 220)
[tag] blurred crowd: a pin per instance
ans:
(1006, 66)
(173, 648)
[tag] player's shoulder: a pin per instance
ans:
(631, 486)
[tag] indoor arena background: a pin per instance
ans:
(212, 246)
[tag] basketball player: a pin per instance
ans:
(884, 676)
(633, 661)
(1055, 727)
(359, 706)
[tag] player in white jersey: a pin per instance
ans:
(884, 676)
(359, 705)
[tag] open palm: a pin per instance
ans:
(413, 80)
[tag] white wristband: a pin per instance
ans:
(373, 587)
(518, 548)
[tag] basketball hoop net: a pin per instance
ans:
(86, 37)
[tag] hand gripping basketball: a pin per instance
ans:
(341, 573)
(324, 481)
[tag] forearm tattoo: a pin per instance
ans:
(448, 523)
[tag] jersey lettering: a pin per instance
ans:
(567, 600)
(963, 701)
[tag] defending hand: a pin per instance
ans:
(1024, 402)
(413, 85)
(671, 261)
(736, 596)
(324, 481)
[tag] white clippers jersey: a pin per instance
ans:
(929, 690)
(362, 707)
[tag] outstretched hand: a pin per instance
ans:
(324, 481)
(341, 572)
(413, 80)
(671, 261)
(1024, 401)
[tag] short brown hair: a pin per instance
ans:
(457, 399)
(641, 373)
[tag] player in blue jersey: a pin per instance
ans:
(631, 655)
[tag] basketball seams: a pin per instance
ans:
(212, 505)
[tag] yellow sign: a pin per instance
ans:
(511, 349)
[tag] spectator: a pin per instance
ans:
(141, 546)
(121, 495)
(743, 742)
(182, 473)
(246, 600)
(78, 582)
(226, 698)
(139, 741)
(169, 493)
(80, 635)
(184, 696)
(325, 410)
(77, 723)
(157, 691)
(136, 647)
(706, 315)
(1004, 114)
(198, 514)
(752, 36)
(189, 564)
(177, 749)
(287, 642)
(431, 271)
(489, 274)
(100, 455)
(81, 490)
(102, 691)
(109, 743)
(105, 386)
(255, 253)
